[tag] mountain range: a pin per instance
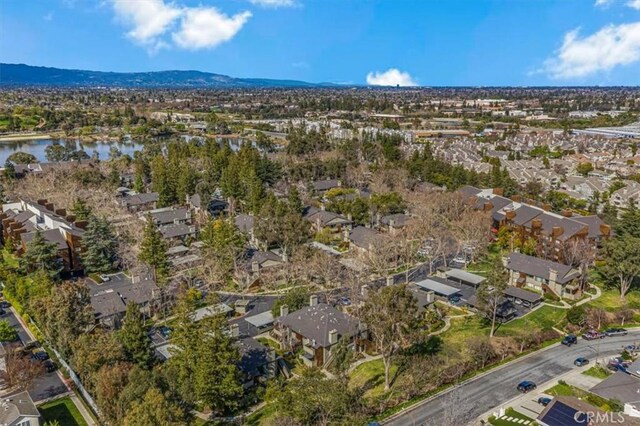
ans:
(21, 75)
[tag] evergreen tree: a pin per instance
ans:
(101, 245)
(134, 338)
(9, 170)
(80, 209)
(153, 251)
(41, 255)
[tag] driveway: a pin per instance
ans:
(490, 390)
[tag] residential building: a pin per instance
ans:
(543, 275)
(19, 410)
(139, 202)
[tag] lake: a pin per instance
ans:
(37, 148)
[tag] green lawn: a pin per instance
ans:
(510, 412)
(261, 416)
(564, 389)
(370, 375)
(543, 318)
(597, 372)
(464, 328)
(610, 300)
(64, 411)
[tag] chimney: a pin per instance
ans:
(284, 310)
(546, 207)
(255, 266)
(557, 231)
(377, 219)
(516, 198)
(390, 280)
(333, 337)
(61, 212)
(553, 276)
(313, 300)
(42, 201)
(345, 235)
(235, 330)
(49, 206)
(364, 290)
(567, 213)
(431, 296)
(605, 230)
(392, 223)
(511, 214)
(82, 224)
(536, 223)
(71, 218)
(498, 191)
(349, 216)
(488, 207)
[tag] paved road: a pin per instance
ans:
(487, 392)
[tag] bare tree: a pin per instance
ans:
(581, 254)
(20, 370)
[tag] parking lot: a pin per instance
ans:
(49, 384)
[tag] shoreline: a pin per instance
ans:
(18, 138)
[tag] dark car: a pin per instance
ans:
(569, 340)
(4, 304)
(165, 331)
(544, 400)
(615, 332)
(454, 299)
(49, 366)
(526, 386)
(40, 354)
(579, 362)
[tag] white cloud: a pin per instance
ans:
(273, 3)
(206, 27)
(48, 17)
(612, 46)
(390, 77)
(602, 3)
(193, 28)
(635, 4)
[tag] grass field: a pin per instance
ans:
(370, 375)
(564, 389)
(64, 411)
(543, 318)
(597, 372)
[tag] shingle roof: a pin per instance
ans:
(363, 237)
(525, 295)
(536, 267)
(16, 406)
(244, 222)
(621, 386)
(315, 323)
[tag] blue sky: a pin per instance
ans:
(425, 42)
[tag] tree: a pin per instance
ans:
(390, 315)
(224, 245)
(7, 332)
(93, 351)
(490, 292)
(313, 399)
(19, 370)
(153, 251)
(41, 255)
(155, 409)
(100, 246)
(584, 168)
(342, 357)
(621, 262)
(9, 170)
(204, 361)
(294, 299)
(65, 315)
(134, 338)
(81, 210)
(20, 157)
(110, 382)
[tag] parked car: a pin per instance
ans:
(344, 301)
(460, 260)
(593, 335)
(615, 332)
(579, 362)
(40, 354)
(165, 331)
(454, 299)
(569, 340)
(4, 304)
(544, 400)
(526, 386)
(49, 366)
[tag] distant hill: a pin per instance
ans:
(21, 75)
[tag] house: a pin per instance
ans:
(394, 222)
(168, 215)
(521, 296)
(245, 224)
(139, 202)
(321, 219)
(19, 410)
(317, 329)
(441, 287)
(109, 298)
(362, 239)
(571, 411)
(626, 195)
(463, 277)
(622, 386)
(257, 361)
(543, 275)
(178, 231)
(23, 219)
(254, 261)
(321, 186)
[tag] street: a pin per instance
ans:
(489, 390)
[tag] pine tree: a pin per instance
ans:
(153, 251)
(101, 246)
(134, 337)
(9, 170)
(80, 209)
(41, 255)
